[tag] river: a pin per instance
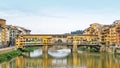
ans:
(39, 59)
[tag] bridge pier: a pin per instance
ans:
(75, 48)
(75, 43)
(45, 48)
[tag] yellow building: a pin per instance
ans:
(112, 35)
(40, 39)
(59, 39)
(2, 32)
(55, 39)
(33, 39)
(85, 39)
(115, 33)
(105, 34)
(94, 29)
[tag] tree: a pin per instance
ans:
(77, 32)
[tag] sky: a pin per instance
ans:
(58, 16)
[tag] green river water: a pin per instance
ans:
(39, 59)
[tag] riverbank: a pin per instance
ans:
(11, 54)
(28, 49)
(88, 49)
(7, 49)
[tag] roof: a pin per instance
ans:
(106, 25)
(2, 19)
(23, 28)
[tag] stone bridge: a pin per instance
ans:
(50, 40)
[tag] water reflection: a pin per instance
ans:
(59, 53)
(36, 53)
(73, 60)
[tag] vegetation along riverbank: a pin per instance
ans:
(14, 53)
(88, 49)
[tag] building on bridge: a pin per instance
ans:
(55, 39)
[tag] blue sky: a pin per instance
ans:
(59, 16)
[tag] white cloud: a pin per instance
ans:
(55, 21)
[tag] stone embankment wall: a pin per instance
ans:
(5, 50)
(111, 49)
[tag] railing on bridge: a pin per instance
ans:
(37, 44)
(82, 43)
(25, 44)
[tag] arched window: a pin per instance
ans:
(59, 41)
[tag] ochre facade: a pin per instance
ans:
(55, 39)
(3, 31)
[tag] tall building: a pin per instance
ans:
(105, 34)
(2, 32)
(116, 25)
(13, 31)
(112, 36)
(94, 29)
